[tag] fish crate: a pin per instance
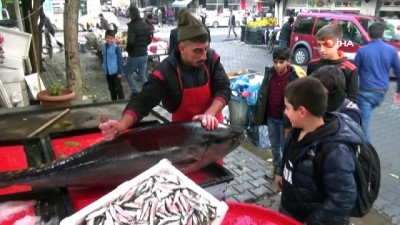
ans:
(19, 154)
(42, 206)
(164, 166)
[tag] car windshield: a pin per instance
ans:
(388, 34)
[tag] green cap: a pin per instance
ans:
(189, 27)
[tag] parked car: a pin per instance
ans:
(221, 20)
(354, 28)
(93, 20)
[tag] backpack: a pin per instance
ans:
(367, 173)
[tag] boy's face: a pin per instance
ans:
(293, 115)
(328, 48)
(280, 65)
(110, 39)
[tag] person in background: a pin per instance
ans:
(149, 21)
(139, 37)
(286, 32)
(160, 18)
(112, 66)
(103, 22)
(169, 15)
(191, 83)
(328, 39)
(269, 106)
(374, 61)
(231, 24)
(311, 196)
(335, 84)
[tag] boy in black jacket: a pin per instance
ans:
(335, 84)
(328, 40)
(304, 197)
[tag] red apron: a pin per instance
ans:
(195, 101)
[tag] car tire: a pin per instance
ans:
(113, 27)
(237, 24)
(301, 56)
(215, 24)
(81, 27)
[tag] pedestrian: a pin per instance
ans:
(328, 39)
(232, 22)
(112, 66)
(330, 197)
(149, 22)
(139, 37)
(160, 18)
(169, 16)
(103, 23)
(335, 84)
(374, 61)
(270, 105)
(286, 32)
(173, 36)
(49, 32)
(191, 83)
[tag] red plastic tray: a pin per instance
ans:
(248, 214)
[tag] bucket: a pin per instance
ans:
(248, 214)
(238, 112)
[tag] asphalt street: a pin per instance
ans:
(249, 163)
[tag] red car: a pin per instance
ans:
(354, 28)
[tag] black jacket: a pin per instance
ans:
(163, 84)
(232, 20)
(302, 197)
(286, 31)
(139, 38)
(349, 69)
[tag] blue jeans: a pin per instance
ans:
(283, 43)
(367, 101)
(277, 138)
(133, 63)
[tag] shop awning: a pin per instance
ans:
(181, 4)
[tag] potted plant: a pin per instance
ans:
(56, 96)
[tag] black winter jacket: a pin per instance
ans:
(304, 199)
(349, 69)
(163, 84)
(260, 113)
(139, 37)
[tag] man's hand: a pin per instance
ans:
(278, 182)
(119, 76)
(109, 129)
(210, 122)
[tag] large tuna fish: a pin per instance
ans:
(188, 146)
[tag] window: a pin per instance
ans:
(322, 22)
(351, 32)
(304, 25)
